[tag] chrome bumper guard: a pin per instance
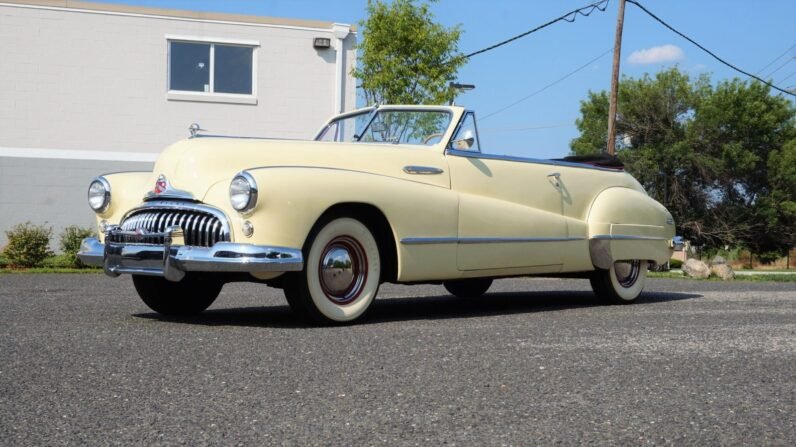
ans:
(173, 259)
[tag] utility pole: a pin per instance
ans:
(620, 20)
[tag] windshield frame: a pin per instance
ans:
(455, 116)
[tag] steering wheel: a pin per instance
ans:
(431, 137)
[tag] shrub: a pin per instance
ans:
(675, 263)
(71, 238)
(28, 245)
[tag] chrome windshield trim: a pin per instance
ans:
(484, 240)
(366, 110)
(624, 237)
(472, 154)
(183, 206)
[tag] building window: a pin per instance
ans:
(211, 71)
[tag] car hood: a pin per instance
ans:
(195, 165)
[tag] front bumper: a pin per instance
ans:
(172, 261)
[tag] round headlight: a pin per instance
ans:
(243, 192)
(99, 194)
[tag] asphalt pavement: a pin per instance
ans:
(535, 362)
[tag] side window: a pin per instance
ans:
(466, 137)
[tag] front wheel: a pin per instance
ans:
(190, 296)
(622, 283)
(341, 273)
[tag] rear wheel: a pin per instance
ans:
(190, 296)
(622, 283)
(341, 273)
(468, 288)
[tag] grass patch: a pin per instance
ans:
(50, 270)
(52, 264)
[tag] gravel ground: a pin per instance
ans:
(84, 362)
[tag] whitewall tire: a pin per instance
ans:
(622, 283)
(341, 275)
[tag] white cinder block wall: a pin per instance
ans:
(78, 77)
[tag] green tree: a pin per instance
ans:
(716, 156)
(405, 57)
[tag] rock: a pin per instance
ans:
(723, 271)
(718, 260)
(696, 269)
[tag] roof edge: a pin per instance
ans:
(109, 8)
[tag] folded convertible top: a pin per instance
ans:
(602, 160)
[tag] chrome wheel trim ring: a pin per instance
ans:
(627, 272)
(343, 270)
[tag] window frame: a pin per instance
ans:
(211, 96)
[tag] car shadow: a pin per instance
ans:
(438, 307)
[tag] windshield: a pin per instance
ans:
(396, 126)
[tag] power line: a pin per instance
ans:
(780, 67)
(776, 59)
(659, 20)
(787, 77)
(547, 86)
(569, 17)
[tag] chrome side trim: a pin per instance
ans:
(501, 240)
(623, 237)
(429, 240)
(540, 161)
(484, 240)
(422, 170)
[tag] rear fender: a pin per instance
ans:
(628, 224)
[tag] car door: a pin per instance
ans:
(510, 211)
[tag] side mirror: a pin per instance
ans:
(463, 144)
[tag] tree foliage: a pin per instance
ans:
(722, 158)
(405, 57)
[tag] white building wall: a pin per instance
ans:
(78, 80)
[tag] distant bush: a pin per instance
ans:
(675, 263)
(71, 238)
(28, 245)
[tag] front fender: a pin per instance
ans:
(627, 224)
(127, 191)
(292, 199)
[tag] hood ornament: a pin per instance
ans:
(194, 130)
(161, 185)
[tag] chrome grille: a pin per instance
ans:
(201, 228)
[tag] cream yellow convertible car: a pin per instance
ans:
(400, 194)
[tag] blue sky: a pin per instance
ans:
(747, 34)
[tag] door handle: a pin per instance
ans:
(422, 170)
(554, 178)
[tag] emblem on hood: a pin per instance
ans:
(161, 184)
(164, 190)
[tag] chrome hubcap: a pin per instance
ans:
(627, 272)
(343, 269)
